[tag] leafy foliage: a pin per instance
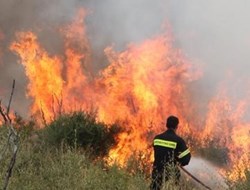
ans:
(81, 130)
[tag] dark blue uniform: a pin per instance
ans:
(169, 150)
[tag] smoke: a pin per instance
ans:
(206, 172)
(211, 33)
(215, 32)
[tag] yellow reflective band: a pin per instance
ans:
(186, 152)
(167, 144)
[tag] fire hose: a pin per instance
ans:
(194, 178)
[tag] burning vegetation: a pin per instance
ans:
(139, 87)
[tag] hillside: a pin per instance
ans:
(47, 159)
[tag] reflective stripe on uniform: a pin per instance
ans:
(186, 152)
(164, 143)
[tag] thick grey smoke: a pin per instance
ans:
(213, 33)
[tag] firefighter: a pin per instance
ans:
(170, 150)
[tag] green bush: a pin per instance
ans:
(81, 130)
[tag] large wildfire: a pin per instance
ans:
(140, 87)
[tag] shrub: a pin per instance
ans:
(81, 130)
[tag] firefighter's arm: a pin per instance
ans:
(184, 154)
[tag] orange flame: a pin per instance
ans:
(140, 87)
(53, 93)
(43, 72)
(225, 123)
